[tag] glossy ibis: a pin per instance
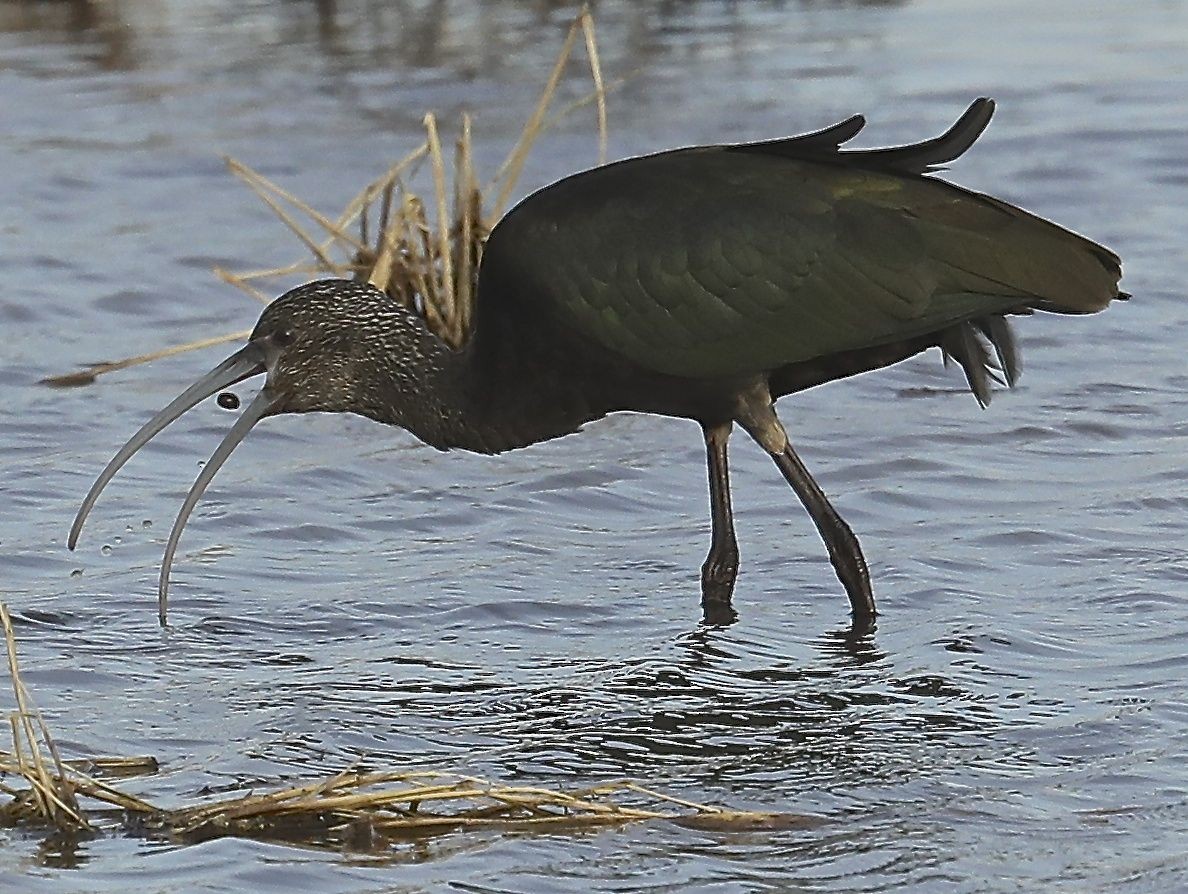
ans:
(701, 283)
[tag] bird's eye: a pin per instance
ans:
(282, 338)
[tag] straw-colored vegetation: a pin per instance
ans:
(353, 810)
(54, 785)
(422, 250)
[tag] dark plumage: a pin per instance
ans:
(702, 283)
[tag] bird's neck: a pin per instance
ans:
(495, 394)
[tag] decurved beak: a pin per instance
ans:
(251, 360)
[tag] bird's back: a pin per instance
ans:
(733, 260)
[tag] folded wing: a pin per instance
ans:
(734, 260)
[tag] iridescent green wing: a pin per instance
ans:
(735, 260)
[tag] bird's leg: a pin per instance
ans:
(844, 551)
(721, 565)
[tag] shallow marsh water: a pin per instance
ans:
(1018, 719)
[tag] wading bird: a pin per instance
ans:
(702, 283)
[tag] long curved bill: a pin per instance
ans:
(244, 363)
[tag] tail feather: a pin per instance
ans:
(986, 351)
(997, 331)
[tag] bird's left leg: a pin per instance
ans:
(721, 565)
(758, 417)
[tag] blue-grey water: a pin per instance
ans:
(1018, 720)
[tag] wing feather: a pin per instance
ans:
(713, 261)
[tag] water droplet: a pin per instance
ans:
(228, 401)
(147, 523)
(77, 572)
(106, 549)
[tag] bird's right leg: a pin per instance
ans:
(721, 565)
(762, 424)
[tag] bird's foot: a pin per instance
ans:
(717, 587)
(851, 570)
(717, 612)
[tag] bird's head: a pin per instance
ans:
(322, 343)
(321, 346)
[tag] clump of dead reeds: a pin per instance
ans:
(366, 811)
(372, 810)
(424, 251)
(54, 785)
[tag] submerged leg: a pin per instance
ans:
(721, 565)
(844, 552)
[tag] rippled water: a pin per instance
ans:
(1017, 721)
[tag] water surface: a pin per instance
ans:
(344, 594)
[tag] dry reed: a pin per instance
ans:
(54, 785)
(426, 250)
